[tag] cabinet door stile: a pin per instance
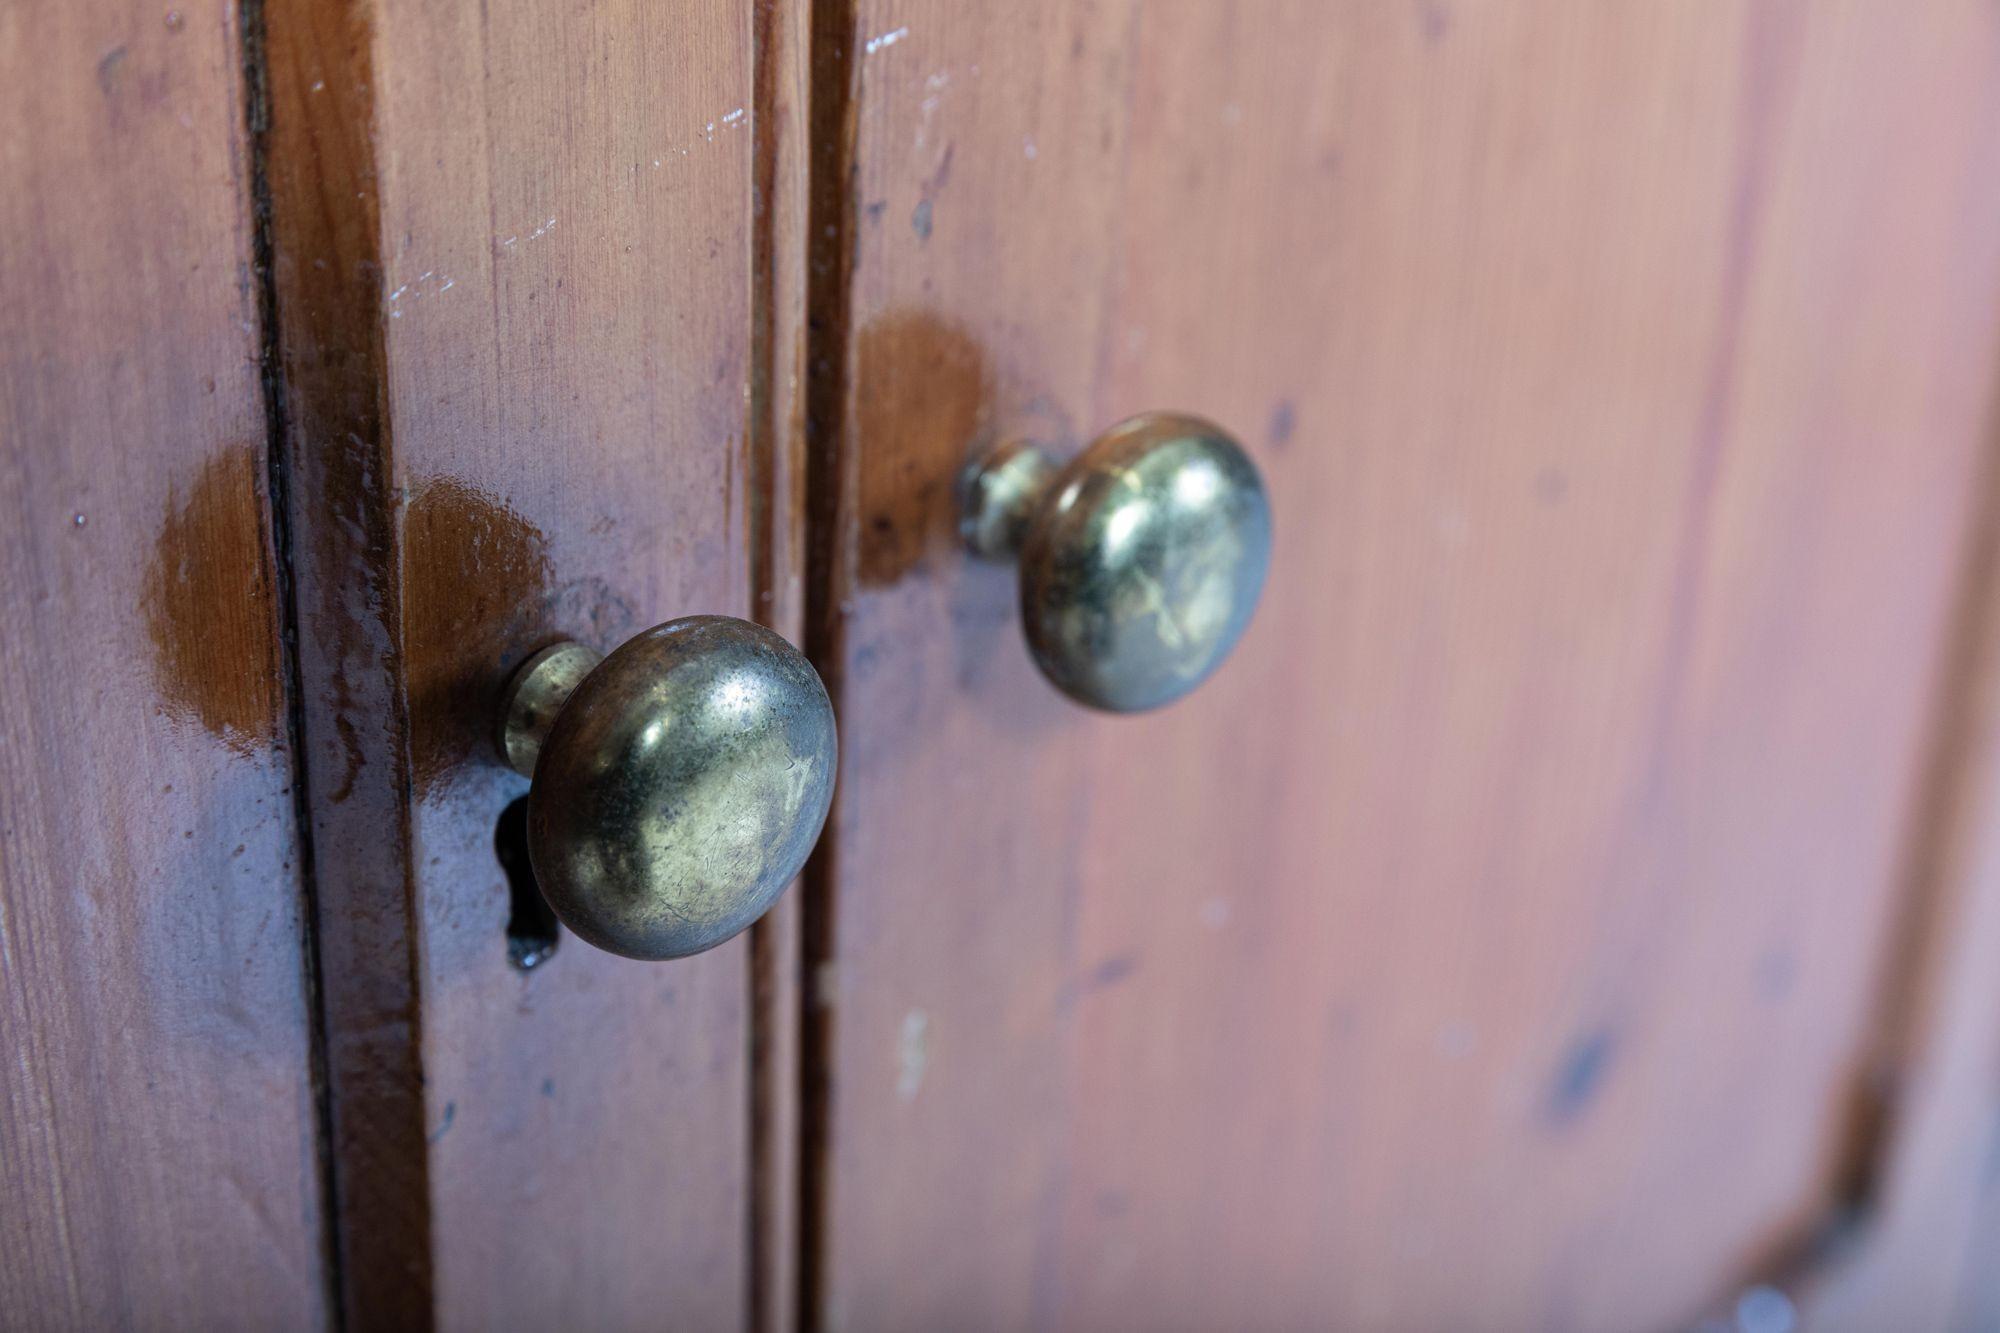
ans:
(516, 272)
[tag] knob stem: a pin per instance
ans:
(998, 497)
(539, 689)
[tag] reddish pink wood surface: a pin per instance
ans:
(1493, 943)
(158, 1164)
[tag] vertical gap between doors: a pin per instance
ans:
(828, 466)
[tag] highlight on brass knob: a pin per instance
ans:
(677, 785)
(1140, 560)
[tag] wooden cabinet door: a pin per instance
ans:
(1498, 940)
(353, 352)
(518, 258)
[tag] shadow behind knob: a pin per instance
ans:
(681, 787)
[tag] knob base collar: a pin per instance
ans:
(997, 498)
(539, 689)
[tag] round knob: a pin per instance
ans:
(678, 784)
(1140, 560)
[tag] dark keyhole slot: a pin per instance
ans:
(531, 928)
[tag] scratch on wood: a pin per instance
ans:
(913, 1054)
(886, 40)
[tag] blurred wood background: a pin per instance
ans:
(1577, 903)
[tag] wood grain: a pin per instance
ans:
(158, 1161)
(1491, 944)
(517, 261)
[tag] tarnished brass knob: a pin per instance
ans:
(1140, 560)
(678, 784)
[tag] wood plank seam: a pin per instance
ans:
(257, 125)
(325, 271)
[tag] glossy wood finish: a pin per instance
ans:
(518, 256)
(1494, 942)
(158, 1163)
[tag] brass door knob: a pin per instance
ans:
(677, 785)
(1140, 560)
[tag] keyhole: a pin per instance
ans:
(532, 934)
